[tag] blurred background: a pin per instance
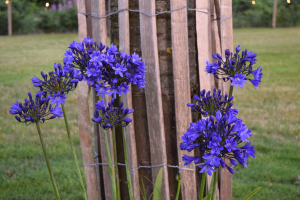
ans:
(42, 31)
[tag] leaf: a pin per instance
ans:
(157, 186)
(143, 192)
(252, 193)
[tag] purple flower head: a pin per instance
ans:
(117, 70)
(234, 65)
(35, 110)
(111, 116)
(218, 137)
(208, 104)
(58, 98)
(101, 89)
(238, 80)
(58, 80)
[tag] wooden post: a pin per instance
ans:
(153, 93)
(182, 91)
(124, 45)
(274, 14)
(9, 17)
(226, 43)
(215, 36)
(84, 122)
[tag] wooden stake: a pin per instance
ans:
(124, 45)
(153, 93)
(274, 14)
(181, 75)
(9, 17)
(84, 122)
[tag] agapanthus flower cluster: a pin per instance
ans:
(58, 80)
(218, 137)
(208, 105)
(236, 68)
(116, 70)
(35, 110)
(111, 116)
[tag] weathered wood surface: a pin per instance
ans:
(215, 39)
(9, 18)
(226, 43)
(124, 45)
(274, 14)
(99, 32)
(84, 121)
(181, 75)
(139, 105)
(153, 93)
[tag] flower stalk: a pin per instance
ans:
(116, 162)
(215, 183)
(111, 170)
(47, 161)
(202, 186)
(127, 166)
(73, 151)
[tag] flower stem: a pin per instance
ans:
(115, 162)
(74, 153)
(178, 177)
(47, 161)
(111, 170)
(202, 186)
(127, 166)
(215, 184)
(230, 93)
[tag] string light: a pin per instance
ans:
(47, 4)
(288, 1)
(7, 2)
(253, 2)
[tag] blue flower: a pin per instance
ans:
(110, 116)
(96, 58)
(35, 109)
(123, 89)
(207, 168)
(238, 80)
(69, 57)
(88, 42)
(119, 69)
(58, 98)
(58, 80)
(190, 159)
(101, 89)
(208, 104)
(218, 137)
(93, 70)
(235, 64)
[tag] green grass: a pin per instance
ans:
(272, 111)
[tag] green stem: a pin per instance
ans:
(211, 185)
(178, 186)
(202, 186)
(111, 170)
(47, 161)
(127, 166)
(115, 162)
(215, 183)
(74, 153)
(230, 93)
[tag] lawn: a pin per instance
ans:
(272, 111)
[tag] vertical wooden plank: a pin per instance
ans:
(215, 39)
(226, 43)
(203, 43)
(153, 93)
(124, 45)
(84, 122)
(226, 33)
(99, 32)
(139, 105)
(9, 18)
(274, 14)
(182, 90)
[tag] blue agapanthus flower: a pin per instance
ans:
(236, 68)
(111, 116)
(218, 137)
(99, 63)
(208, 104)
(35, 110)
(58, 80)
